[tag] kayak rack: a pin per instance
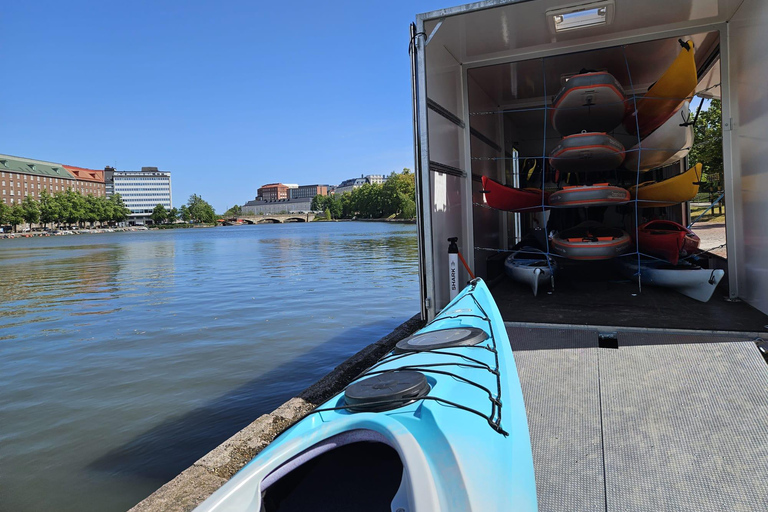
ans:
(464, 361)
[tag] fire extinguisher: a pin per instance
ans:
(453, 266)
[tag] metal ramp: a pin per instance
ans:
(664, 422)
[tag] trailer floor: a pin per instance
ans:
(664, 422)
(588, 297)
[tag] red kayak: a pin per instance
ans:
(666, 239)
(511, 199)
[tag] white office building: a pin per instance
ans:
(141, 191)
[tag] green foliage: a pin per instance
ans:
(159, 214)
(199, 210)
(15, 215)
(327, 214)
(30, 211)
(173, 214)
(395, 198)
(4, 213)
(708, 146)
(234, 211)
(184, 213)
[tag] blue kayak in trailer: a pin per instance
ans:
(437, 424)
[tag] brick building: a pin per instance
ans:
(89, 182)
(21, 177)
(308, 191)
(273, 192)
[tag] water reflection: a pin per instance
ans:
(112, 348)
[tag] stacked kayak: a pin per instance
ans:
(592, 102)
(690, 280)
(587, 152)
(600, 194)
(530, 266)
(590, 241)
(666, 95)
(669, 192)
(511, 199)
(669, 143)
(666, 239)
(437, 425)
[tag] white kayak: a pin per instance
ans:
(531, 266)
(669, 143)
(690, 280)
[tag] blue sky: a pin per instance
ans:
(225, 95)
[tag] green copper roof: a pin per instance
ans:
(33, 167)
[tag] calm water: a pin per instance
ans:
(125, 357)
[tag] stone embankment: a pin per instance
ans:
(195, 484)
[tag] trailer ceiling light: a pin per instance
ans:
(580, 16)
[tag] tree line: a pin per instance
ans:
(196, 210)
(396, 198)
(69, 208)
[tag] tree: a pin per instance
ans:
(93, 209)
(200, 210)
(15, 215)
(708, 145)
(118, 211)
(159, 214)
(184, 213)
(234, 211)
(30, 211)
(5, 212)
(49, 208)
(400, 195)
(173, 214)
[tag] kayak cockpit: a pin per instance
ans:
(350, 472)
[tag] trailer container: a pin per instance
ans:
(484, 77)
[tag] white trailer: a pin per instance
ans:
(476, 64)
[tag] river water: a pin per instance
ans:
(125, 357)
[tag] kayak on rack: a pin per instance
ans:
(690, 280)
(669, 143)
(599, 194)
(665, 96)
(666, 239)
(439, 424)
(590, 241)
(592, 102)
(530, 266)
(511, 199)
(587, 152)
(675, 190)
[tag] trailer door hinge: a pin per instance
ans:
(728, 124)
(428, 302)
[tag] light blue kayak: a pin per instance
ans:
(438, 424)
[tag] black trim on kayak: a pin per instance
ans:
(493, 419)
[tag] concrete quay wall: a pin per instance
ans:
(198, 482)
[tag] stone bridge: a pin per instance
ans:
(272, 218)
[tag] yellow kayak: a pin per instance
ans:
(667, 95)
(671, 191)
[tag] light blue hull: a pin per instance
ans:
(464, 447)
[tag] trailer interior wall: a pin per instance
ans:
(460, 44)
(746, 127)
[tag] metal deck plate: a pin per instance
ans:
(665, 422)
(558, 373)
(684, 423)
